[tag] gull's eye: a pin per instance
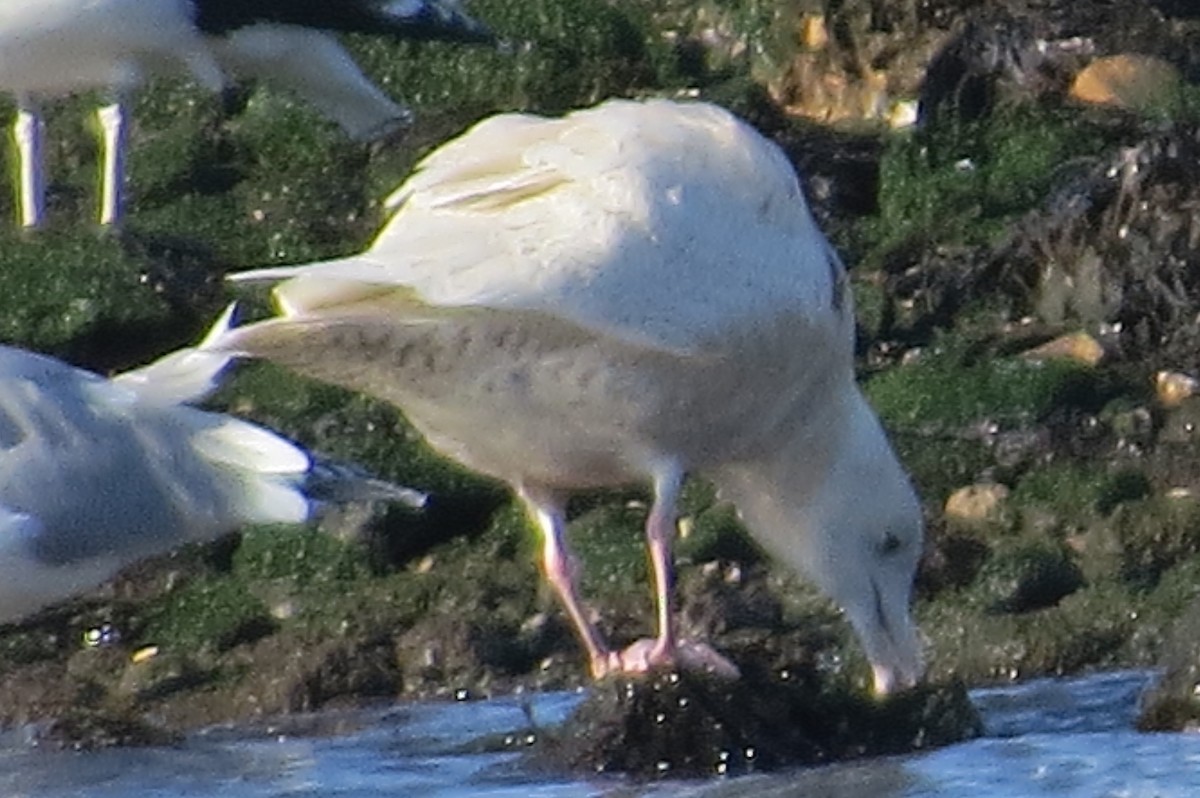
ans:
(890, 544)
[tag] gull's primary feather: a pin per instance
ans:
(517, 223)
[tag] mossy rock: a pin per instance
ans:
(160, 675)
(949, 388)
(1027, 577)
(209, 613)
(961, 183)
(951, 562)
(717, 533)
(1155, 535)
(1093, 627)
(1173, 704)
(610, 544)
(680, 725)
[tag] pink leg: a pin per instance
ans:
(546, 507)
(667, 649)
(664, 650)
(660, 534)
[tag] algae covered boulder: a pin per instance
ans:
(1173, 704)
(681, 725)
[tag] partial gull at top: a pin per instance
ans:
(290, 44)
(96, 474)
(51, 48)
(404, 19)
(626, 294)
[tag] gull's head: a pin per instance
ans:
(834, 503)
(866, 542)
(878, 549)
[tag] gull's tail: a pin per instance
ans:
(258, 476)
(96, 474)
(185, 376)
(292, 46)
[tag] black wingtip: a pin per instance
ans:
(432, 19)
(443, 20)
(330, 481)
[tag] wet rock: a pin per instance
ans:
(679, 725)
(344, 670)
(444, 653)
(1173, 704)
(73, 704)
(154, 677)
(718, 598)
(89, 728)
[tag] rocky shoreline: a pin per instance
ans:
(1025, 270)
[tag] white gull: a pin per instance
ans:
(96, 473)
(627, 294)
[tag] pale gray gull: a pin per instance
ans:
(626, 294)
(98, 473)
(50, 48)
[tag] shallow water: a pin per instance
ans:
(1047, 737)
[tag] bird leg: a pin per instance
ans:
(666, 649)
(548, 511)
(660, 535)
(113, 132)
(31, 188)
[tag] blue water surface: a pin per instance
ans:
(1050, 737)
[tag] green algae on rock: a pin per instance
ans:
(952, 387)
